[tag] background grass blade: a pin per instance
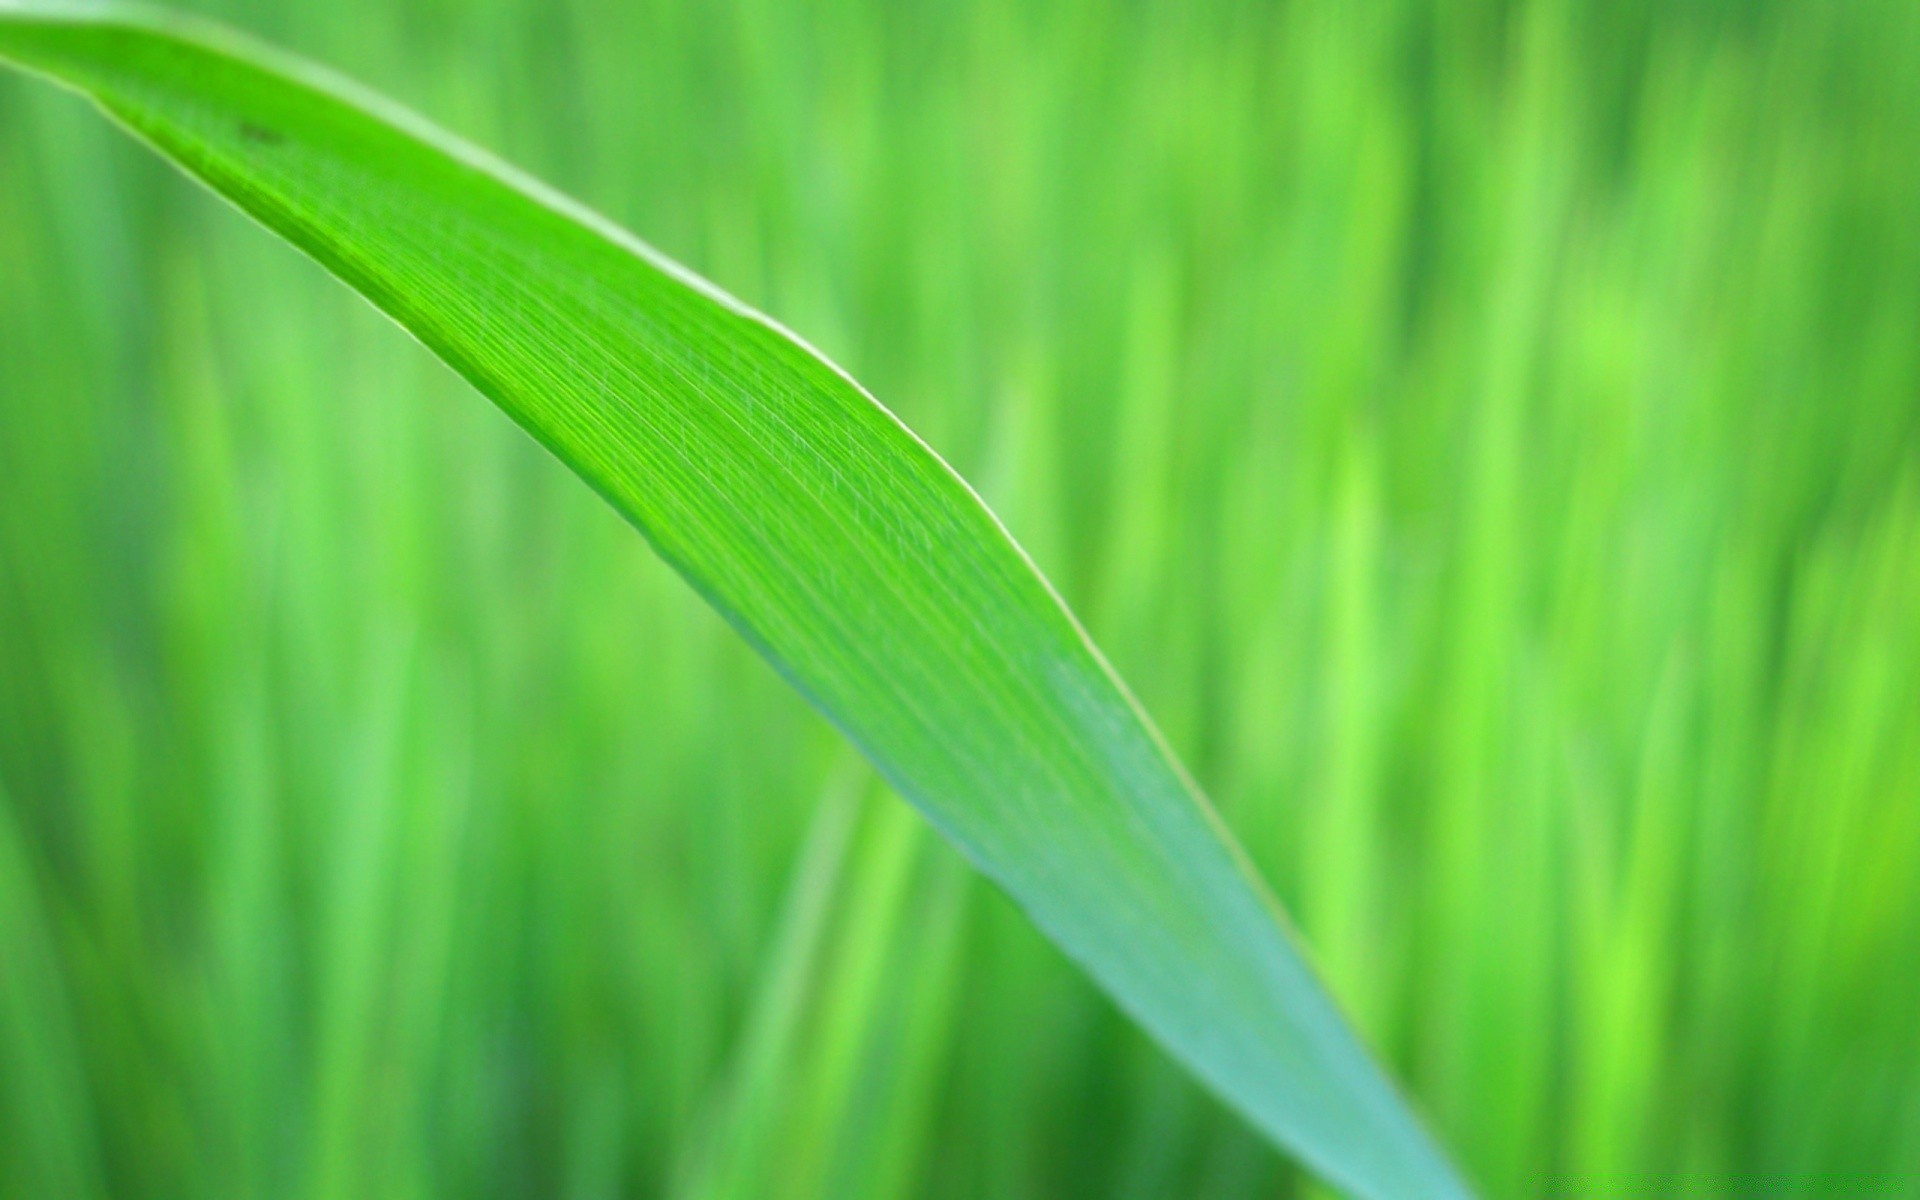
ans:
(828, 535)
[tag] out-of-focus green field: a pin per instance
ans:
(1486, 436)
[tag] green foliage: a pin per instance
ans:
(825, 532)
(1483, 434)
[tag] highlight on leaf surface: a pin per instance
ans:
(835, 541)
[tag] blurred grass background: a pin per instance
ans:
(1486, 435)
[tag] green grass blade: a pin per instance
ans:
(835, 541)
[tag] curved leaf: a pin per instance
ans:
(835, 541)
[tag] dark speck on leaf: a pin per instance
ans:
(257, 133)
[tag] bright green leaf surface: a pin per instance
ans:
(832, 538)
